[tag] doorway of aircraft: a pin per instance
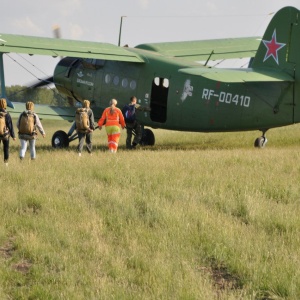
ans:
(159, 99)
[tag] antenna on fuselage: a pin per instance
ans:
(120, 32)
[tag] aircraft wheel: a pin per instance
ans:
(148, 138)
(60, 139)
(260, 142)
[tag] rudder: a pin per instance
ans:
(280, 45)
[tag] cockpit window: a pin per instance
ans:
(92, 63)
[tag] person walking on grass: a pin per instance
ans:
(6, 129)
(132, 124)
(27, 124)
(113, 119)
(84, 125)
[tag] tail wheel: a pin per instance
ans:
(148, 138)
(260, 142)
(60, 139)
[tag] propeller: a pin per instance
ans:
(56, 31)
(48, 80)
(42, 82)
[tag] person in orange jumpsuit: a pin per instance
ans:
(113, 119)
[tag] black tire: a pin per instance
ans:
(60, 139)
(259, 142)
(148, 138)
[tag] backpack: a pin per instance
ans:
(27, 123)
(4, 133)
(82, 120)
(129, 113)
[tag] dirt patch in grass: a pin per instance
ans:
(7, 249)
(222, 279)
(22, 266)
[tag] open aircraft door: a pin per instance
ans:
(159, 99)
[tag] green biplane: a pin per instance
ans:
(167, 78)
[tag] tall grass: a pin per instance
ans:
(197, 216)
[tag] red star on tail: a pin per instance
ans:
(273, 47)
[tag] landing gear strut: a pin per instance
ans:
(260, 142)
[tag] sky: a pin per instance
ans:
(143, 21)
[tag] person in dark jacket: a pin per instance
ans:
(132, 124)
(8, 130)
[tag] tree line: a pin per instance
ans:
(49, 96)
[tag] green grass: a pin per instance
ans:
(197, 216)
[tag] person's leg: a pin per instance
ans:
(6, 150)
(113, 135)
(138, 135)
(115, 139)
(81, 137)
(32, 148)
(129, 136)
(88, 140)
(23, 148)
(109, 138)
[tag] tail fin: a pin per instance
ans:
(280, 46)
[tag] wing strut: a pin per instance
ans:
(212, 52)
(2, 82)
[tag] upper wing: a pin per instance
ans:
(191, 50)
(202, 50)
(61, 47)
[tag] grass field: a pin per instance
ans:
(197, 216)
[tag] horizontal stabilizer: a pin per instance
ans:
(45, 112)
(9, 103)
(238, 75)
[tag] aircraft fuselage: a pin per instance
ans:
(178, 101)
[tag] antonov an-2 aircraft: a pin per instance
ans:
(166, 78)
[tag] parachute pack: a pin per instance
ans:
(4, 133)
(129, 113)
(27, 124)
(82, 120)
